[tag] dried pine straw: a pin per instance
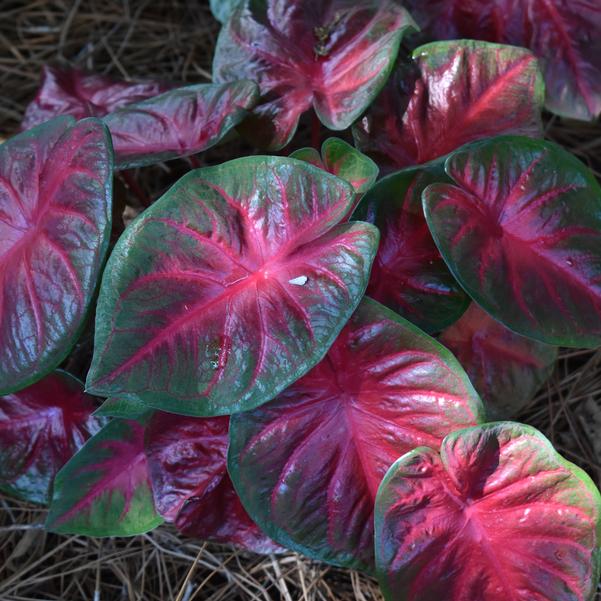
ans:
(174, 39)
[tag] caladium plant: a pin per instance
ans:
(80, 94)
(41, 428)
(256, 396)
(450, 94)
(55, 221)
(563, 34)
(187, 459)
(230, 287)
(497, 514)
(383, 388)
(505, 368)
(333, 56)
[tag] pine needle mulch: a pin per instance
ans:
(173, 40)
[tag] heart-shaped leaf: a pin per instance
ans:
(408, 274)
(104, 490)
(73, 92)
(222, 9)
(563, 34)
(41, 427)
(521, 231)
(187, 458)
(334, 56)
(55, 212)
(345, 161)
(505, 368)
(230, 287)
(456, 92)
(497, 516)
(307, 465)
(178, 123)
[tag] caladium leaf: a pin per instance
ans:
(345, 161)
(563, 34)
(178, 123)
(521, 231)
(125, 408)
(334, 56)
(498, 515)
(74, 92)
(229, 287)
(408, 274)
(458, 92)
(41, 427)
(104, 490)
(222, 9)
(55, 212)
(505, 368)
(308, 464)
(187, 458)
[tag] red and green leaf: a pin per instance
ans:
(179, 122)
(408, 275)
(563, 34)
(41, 428)
(79, 94)
(456, 92)
(105, 490)
(521, 231)
(345, 161)
(505, 368)
(230, 287)
(334, 56)
(55, 218)
(308, 464)
(497, 516)
(187, 458)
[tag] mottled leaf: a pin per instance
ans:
(230, 287)
(564, 34)
(505, 368)
(41, 427)
(308, 464)
(55, 211)
(521, 231)
(454, 93)
(408, 274)
(497, 516)
(187, 458)
(74, 92)
(104, 490)
(334, 56)
(178, 123)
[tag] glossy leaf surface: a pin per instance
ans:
(104, 490)
(497, 516)
(308, 464)
(178, 123)
(230, 287)
(41, 427)
(454, 93)
(74, 92)
(345, 161)
(521, 231)
(505, 368)
(409, 275)
(563, 34)
(55, 211)
(334, 56)
(187, 458)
